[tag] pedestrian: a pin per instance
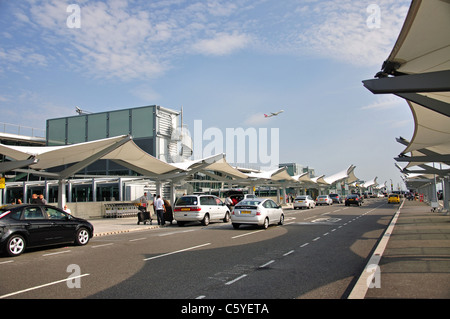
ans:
(160, 208)
(34, 199)
(228, 202)
(67, 210)
(42, 200)
(144, 201)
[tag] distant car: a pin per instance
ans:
(353, 199)
(202, 208)
(393, 199)
(24, 226)
(304, 201)
(336, 198)
(257, 211)
(324, 200)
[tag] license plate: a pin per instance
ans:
(299, 201)
(185, 209)
(246, 212)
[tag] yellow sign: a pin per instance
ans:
(2, 182)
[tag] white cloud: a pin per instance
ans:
(222, 44)
(256, 119)
(142, 39)
(341, 31)
(385, 102)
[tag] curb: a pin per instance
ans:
(115, 232)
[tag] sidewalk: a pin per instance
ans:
(416, 261)
(111, 226)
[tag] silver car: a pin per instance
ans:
(257, 211)
(202, 208)
(324, 200)
(304, 201)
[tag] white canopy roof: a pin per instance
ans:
(304, 177)
(347, 175)
(216, 163)
(418, 70)
(432, 130)
(279, 174)
(370, 183)
(121, 149)
(424, 43)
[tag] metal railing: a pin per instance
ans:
(22, 130)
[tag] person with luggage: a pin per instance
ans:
(145, 214)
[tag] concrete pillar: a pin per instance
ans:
(446, 194)
(61, 193)
(94, 190)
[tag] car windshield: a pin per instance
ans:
(300, 198)
(187, 201)
(323, 196)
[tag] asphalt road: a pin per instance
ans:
(317, 253)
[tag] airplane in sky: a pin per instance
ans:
(273, 113)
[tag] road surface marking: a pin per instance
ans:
(176, 252)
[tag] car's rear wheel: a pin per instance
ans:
(227, 217)
(15, 245)
(82, 237)
(205, 221)
(266, 223)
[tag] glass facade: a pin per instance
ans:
(138, 122)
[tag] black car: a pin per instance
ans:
(24, 226)
(354, 199)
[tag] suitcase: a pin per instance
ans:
(144, 217)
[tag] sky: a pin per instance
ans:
(226, 63)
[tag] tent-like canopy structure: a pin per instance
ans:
(371, 183)
(279, 174)
(347, 175)
(418, 70)
(63, 162)
(75, 157)
(215, 163)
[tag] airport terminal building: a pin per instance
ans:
(153, 129)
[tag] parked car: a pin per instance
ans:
(353, 199)
(336, 198)
(324, 200)
(304, 201)
(24, 226)
(257, 211)
(394, 199)
(202, 208)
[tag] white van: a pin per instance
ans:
(202, 208)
